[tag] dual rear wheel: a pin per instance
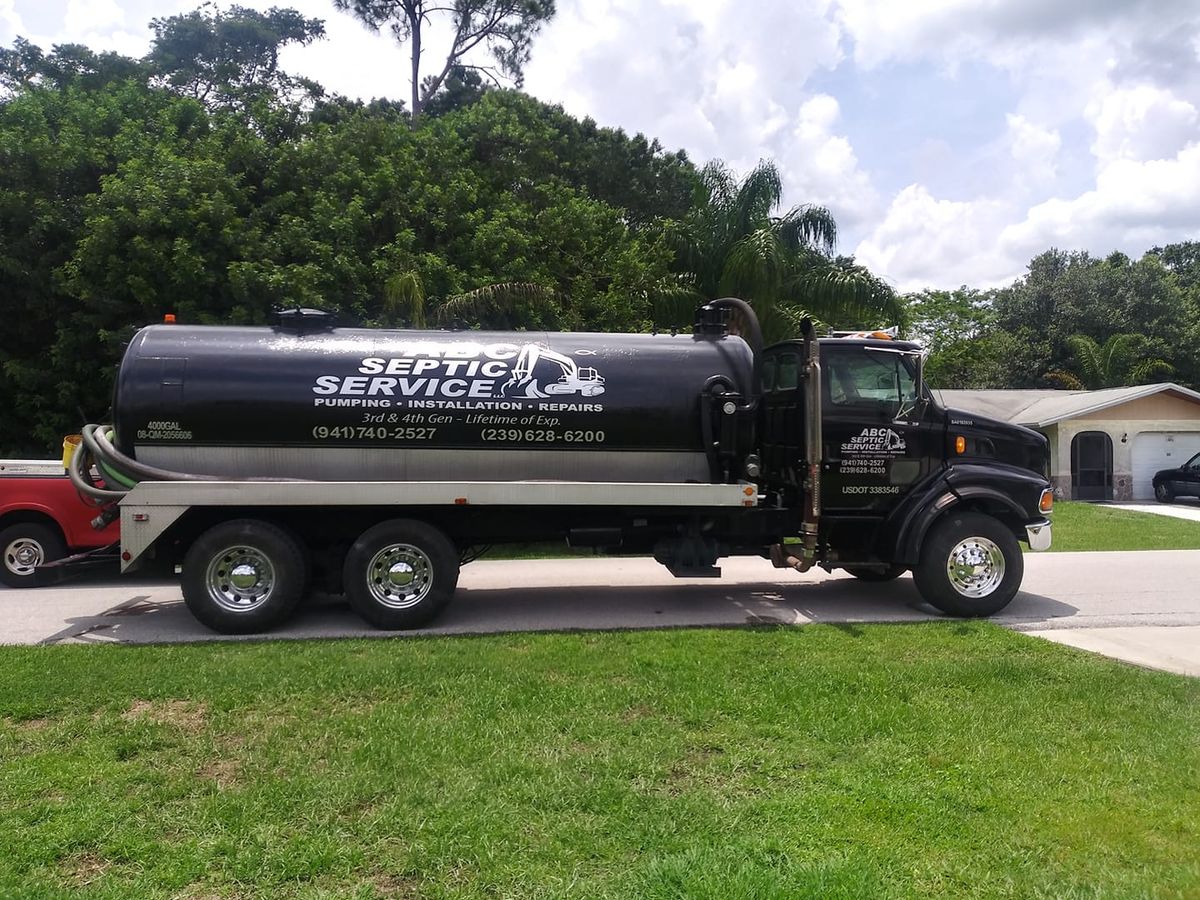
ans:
(247, 576)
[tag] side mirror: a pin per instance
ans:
(915, 411)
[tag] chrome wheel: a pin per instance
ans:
(1162, 493)
(975, 567)
(240, 578)
(399, 576)
(23, 556)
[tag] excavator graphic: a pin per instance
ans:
(522, 381)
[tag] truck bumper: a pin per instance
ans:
(1038, 535)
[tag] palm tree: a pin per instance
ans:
(733, 244)
(1109, 365)
(507, 305)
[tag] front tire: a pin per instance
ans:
(26, 546)
(244, 576)
(971, 565)
(1162, 493)
(401, 574)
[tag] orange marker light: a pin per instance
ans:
(169, 319)
(960, 444)
(1046, 504)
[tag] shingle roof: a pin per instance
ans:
(1041, 408)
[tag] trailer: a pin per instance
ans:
(396, 457)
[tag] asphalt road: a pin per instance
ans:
(1061, 591)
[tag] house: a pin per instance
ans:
(1104, 445)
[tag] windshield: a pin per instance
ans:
(885, 382)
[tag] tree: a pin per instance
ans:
(1183, 262)
(1114, 364)
(405, 304)
(732, 244)
(957, 328)
(25, 65)
(461, 88)
(505, 28)
(1066, 294)
(231, 59)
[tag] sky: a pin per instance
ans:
(953, 140)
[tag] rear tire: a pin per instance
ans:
(891, 573)
(25, 546)
(971, 565)
(1162, 493)
(244, 576)
(401, 574)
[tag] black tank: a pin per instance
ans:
(372, 405)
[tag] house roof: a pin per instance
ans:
(1039, 409)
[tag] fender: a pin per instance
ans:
(1010, 488)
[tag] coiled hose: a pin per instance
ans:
(121, 473)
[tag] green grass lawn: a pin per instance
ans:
(1086, 526)
(946, 759)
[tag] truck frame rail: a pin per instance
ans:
(152, 507)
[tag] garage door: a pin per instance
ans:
(1160, 450)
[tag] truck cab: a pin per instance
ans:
(904, 483)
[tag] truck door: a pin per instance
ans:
(782, 425)
(877, 438)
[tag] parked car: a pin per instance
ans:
(42, 519)
(1181, 482)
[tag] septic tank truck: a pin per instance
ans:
(376, 462)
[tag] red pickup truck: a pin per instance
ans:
(42, 519)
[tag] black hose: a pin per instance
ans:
(754, 338)
(706, 426)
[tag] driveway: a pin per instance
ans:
(1183, 508)
(1065, 594)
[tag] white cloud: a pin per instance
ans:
(985, 241)
(10, 22)
(1101, 144)
(1003, 31)
(1033, 148)
(92, 17)
(351, 60)
(1141, 122)
(715, 79)
(1134, 204)
(923, 241)
(820, 166)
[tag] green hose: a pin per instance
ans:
(112, 476)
